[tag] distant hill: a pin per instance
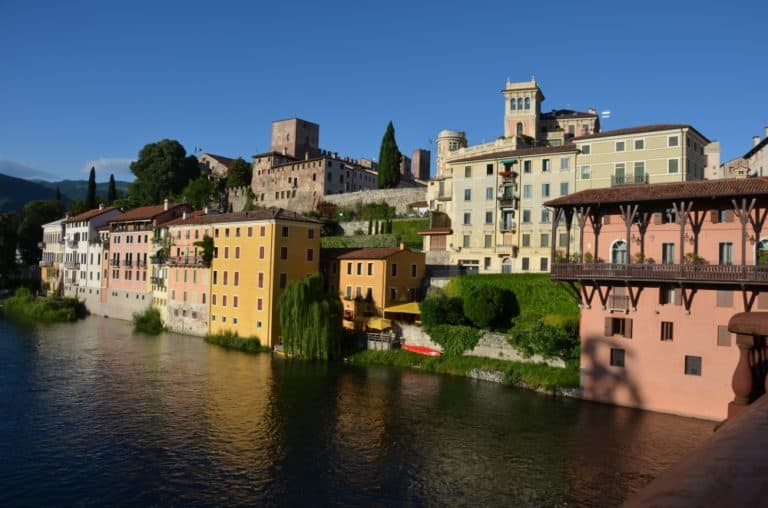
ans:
(75, 189)
(16, 192)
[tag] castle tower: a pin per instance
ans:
(447, 142)
(295, 138)
(522, 108)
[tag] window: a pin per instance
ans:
(564, 164)
(413, 270)
(467, 218)
(586, 172)
(527, 191)
(489, 193)
(370, 268)
(666, 330)
(617, 357)
(237, 251)
(349, 292)
(545, 167)
(723, 336)
(692, 365)
(489, 169)
(234, 301)
(283, 252)
(392, 294)
(669, 295)
(639, 172)
(359, 268)
(467, 194)
(545, 190)
(215, 276)
(526, 264)
(618, 326)
(544, 240)
(586, 149)
(224, 281)
(668, 253)
(465, 241)
(468, 172)
(544, 264)
(489, 217)
(226, 232)
(639, 144)
(486, 263)
(284, 231)
(283, 280)
(725, 251)
(563, 188)
(310, 254)
(526, 240)
(224, 300)
(250, 232)
(519, 104)
(724, 298)
(673, 165)
(619, 146)
(545, 215)
(236, 278)
(673, 141)
(526, 216)
(488, 240)
(260, 282)
(263, 231)
(563, 240)
(526, 166)
(237, 233)
(512, 104)
(310, 234)
(393, 270)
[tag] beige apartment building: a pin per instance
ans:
(487, 200)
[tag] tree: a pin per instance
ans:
(199, 192)
(441, 310)
(239, 174)
(162, 171)
(111, 190)
(207, 246)
(310, 320)
(9, 223)
(491, 307)
(90, 194)
(389, 160)
(30, 232)
(58, 193)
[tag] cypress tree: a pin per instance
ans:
(389, 160)
(111, 190)
(370, 226)
(90, 195)
(58, 193)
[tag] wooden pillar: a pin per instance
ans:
(757, 222)
(681, 212)
(555, 222)
(581, 214)
(642, 227)
(568, 223)
(596, 219)
(628, 214)
(744, 212)
(696, 219)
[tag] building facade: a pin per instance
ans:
(51, 269)
(420, 164)
(659, 270)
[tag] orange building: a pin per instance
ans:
(375, 278)
(659, 270)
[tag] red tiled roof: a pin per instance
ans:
(220, 158)
(520, 152)
(144, 213)
(252, 215)
(90, 214)
(640, 130)
(371, 253)
(701, 189)
(182, 220)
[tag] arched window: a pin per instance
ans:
(519, 128)
(506, 265)
(512, 104)
(619, 252)
(527, 103)
(520, 103)
(761, 254)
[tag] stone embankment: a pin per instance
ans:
(400, 198)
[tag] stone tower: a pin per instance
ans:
(522, 108)
(447, 142)
(296, 138)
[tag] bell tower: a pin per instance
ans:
(522, 108)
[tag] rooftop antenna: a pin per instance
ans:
(605, 115)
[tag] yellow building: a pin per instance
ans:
(375, 278)
(256, 255)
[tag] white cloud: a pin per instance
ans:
(118, 166)
(24, 170)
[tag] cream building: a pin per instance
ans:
(51, 273)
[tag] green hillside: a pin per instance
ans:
(75, 189)
(16, 192)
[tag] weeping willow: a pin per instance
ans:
(310, 320)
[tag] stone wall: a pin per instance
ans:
(400, 198)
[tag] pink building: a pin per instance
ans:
(132, 242)
(659, 272)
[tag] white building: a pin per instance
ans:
(52, 245)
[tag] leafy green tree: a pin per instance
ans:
(442, 310)
(207, 246)
(310, 320)
(239, 174)
(111, 190)
(90, 193)
(389, 160)
(76, 207)
(30, 232)
(9, 223)
(162, 171)
(547, 339)
(200, 191)
(491, 307)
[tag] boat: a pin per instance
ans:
(421, 350)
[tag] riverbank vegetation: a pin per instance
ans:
(231, 340)
(148, 322)
(26, 307)
(526, 375)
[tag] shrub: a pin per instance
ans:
(26, 307)
(359, 242)
(547, 340)
(455, 339)
(491, 307)
(148, 322)
(441, 310)
(232, 340)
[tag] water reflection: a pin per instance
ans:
(94, 414)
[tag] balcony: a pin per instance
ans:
(508, 176)
(185, 261)
(45, 262)
(141, 264)
(444, 196)
(114, 262)
(710, 274)
(629, 179)
(128, 263)
(71, 244)
(158, 281)
(41, 245)
(506, 249)
(618, 302)
(71, 265)
(508, 226)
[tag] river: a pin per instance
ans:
(92, 414)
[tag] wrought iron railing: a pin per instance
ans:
(629, 179)
(662, 272)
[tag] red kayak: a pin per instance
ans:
(421, 350)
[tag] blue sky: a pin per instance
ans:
(85, 83)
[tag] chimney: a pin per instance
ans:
(205, 210)
(592, 111)
(165, 204)
(755, 140)
(402, 246)
(101, 206)
(765, 132)
(184, 215)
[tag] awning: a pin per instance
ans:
(405, 308)
(509, 161)
(377, 323)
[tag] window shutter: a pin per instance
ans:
(714, 216)
(657, 218)
(678, 296)
(628, 328)
(608, 331)
(723, 336)
(606, 219)
(662, 290)
(729, 216)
